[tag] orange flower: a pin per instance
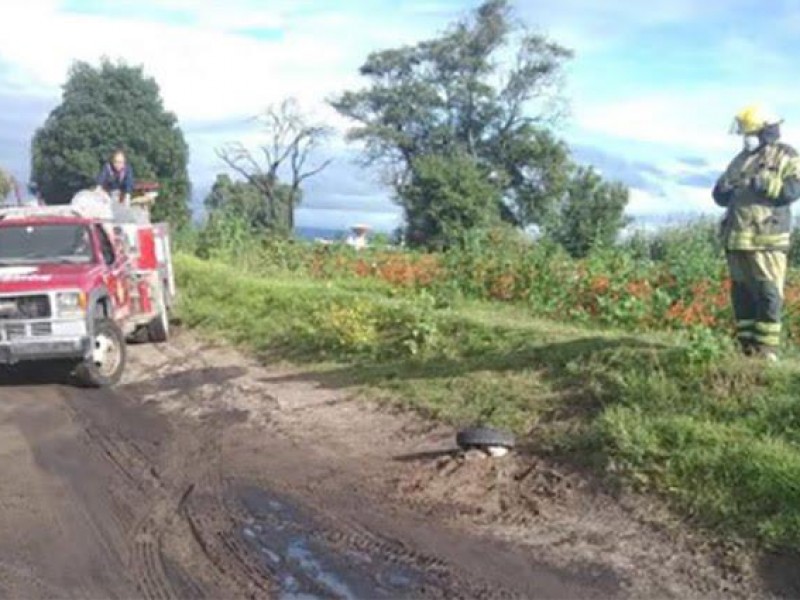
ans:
(675, 311)
(599, 285)
(502, 288)
(639, 288)
(361, 268)
(722, 299)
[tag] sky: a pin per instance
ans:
(652, 88)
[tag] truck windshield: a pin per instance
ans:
(41, 244)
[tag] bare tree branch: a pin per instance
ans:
(240, 160)
(313, 172)
(290, 141)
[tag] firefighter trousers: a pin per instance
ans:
(757, 278)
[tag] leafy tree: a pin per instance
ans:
(447, 196)
(590, 214)
(453, 94)
(239, 198)
(108, 107)
(292, 139)
(246, 201)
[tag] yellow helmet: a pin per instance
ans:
(753, 119)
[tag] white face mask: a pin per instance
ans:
(751, 143)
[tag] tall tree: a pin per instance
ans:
(460, 93)
(448, 196)
(589, 215)
(291, 140)
(103, 108)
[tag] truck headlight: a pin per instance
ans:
(71, 304)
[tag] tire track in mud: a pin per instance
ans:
(137, 486)
(194, 494)
(212, 531)
(153, 496)
(211, 521)
(140, 482)
(186, 462)
(218, 520)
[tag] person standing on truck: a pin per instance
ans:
(116, 178)
(756, 190)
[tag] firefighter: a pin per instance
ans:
(757, 190)
(116, 178)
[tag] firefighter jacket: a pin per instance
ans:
(757, 190)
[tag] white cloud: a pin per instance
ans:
(695, 121)
(589, 26)
(642, 203)
(203, 74)
(678, 199)
(206, 70)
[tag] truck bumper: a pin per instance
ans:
(20, 342)
(14, 352)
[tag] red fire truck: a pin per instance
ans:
(77, 281)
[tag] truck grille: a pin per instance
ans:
(25, 307)
(15, 331)
(41, 329)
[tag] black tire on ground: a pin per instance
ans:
(158, 328)
(483, 437)
(106, 362)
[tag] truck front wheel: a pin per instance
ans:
(104, 365)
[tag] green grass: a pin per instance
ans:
(679, 416)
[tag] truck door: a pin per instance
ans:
(117, 277)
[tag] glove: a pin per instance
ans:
(767, 184)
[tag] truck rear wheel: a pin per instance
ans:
(158, 328)
(106, 361)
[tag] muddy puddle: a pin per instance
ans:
(305, 562)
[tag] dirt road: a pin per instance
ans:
(207, 476)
